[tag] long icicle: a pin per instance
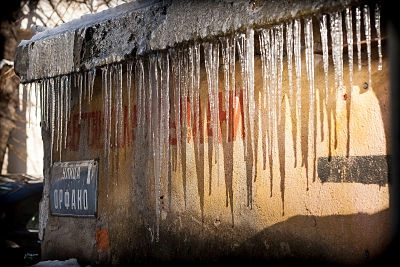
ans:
(264, 48)
(289, 52)
(349, 37)
(325, 53)
(241, 47)
(211, 56)
(358, 36)
(367, 30)
(225, 49)
(378, 33)
(309, 44)
(250, 86)
(297, 62)
(197, 95)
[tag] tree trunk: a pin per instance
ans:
(10, 36)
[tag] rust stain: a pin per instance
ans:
(102, 240)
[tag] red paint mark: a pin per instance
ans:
(345, 97)
(102, 239)
(89, 130)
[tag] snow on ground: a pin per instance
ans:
(55, 263)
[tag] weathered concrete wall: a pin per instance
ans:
(329, 205)
(342, 218)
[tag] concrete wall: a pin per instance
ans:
(321, 196)
(340, 214)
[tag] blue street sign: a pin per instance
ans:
(73, 188)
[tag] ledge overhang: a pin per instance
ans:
(136, 28)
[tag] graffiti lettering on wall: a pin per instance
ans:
(89, 129)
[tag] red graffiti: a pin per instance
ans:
(91, 128)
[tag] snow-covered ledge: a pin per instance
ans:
(141, 26)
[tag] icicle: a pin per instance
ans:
(37, 99)
(250, 77)
(250, 84)
(378, 33)
(179, 92)
(57, 111)
(226, 64)
(267, 86)
(67, 106)
(367, 28)
(119, 103)
(358, 36)
(48, 103)
(215, 68)
(43, 103)
(261, 39)
(28, 89)
(289, 52)
(184, 77)
(309, 47)
(92, 76)
(297, 62)
(115, 81)
(38, 94)
(80, 96)
(274, 85)
(139, 86)
(211, 59)
(232, 67)
(84, 87)
(197, 95)
(155, 134)
(174, 55)
(264, 48)
(163, 62)
(41, 100)
(337, 48)
(242, 58)
(309, 44)
(110, 73)
(106, 104)
(279, 65)
(57, 90)
(61, 108)
(129, 67)
(87, 85)
(104, 97)
(245, 44)
(349, 37)
(59, 120)
(231, 59)
(191, 85)
(52, 116)
(325, 54)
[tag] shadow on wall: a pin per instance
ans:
(310, 240)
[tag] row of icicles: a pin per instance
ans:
(161, 80)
